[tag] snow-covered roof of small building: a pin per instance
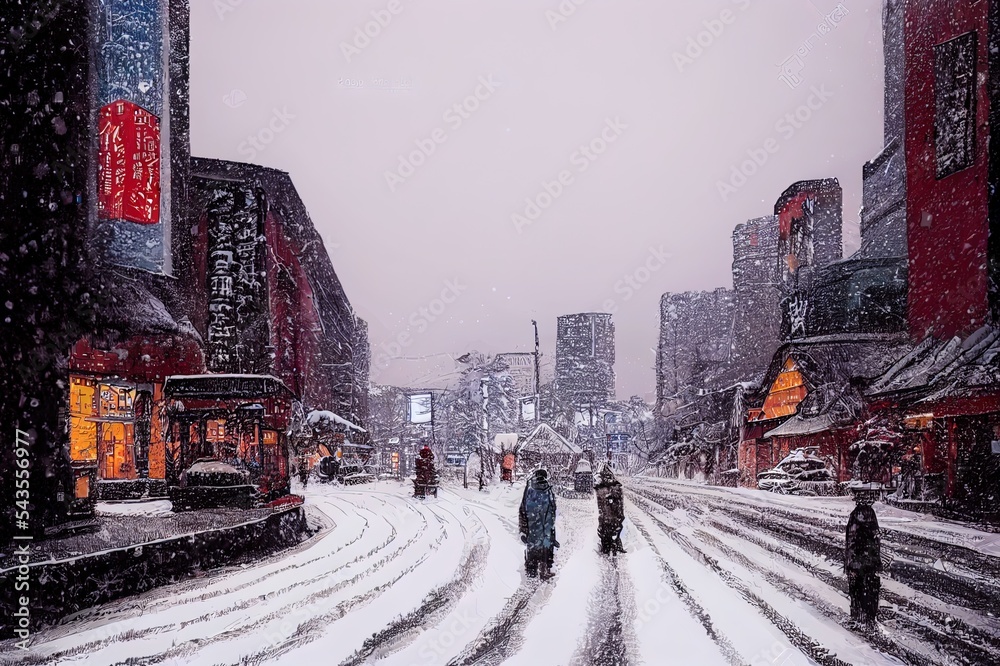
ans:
(546, 440)
(946, 367)
(506, 441)
(317, 416)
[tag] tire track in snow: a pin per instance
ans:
(369, 561)
(695, 609)
(796, 636)
(313, 628)
(877, 640)
(939, 629)
(935, 627)
(504, 634)
(605, 641)
(975, 588)
(436, 604)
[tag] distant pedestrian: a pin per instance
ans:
(303, 471)
(863, 560)
(426, 482)
(538, 525)
(507, 468)
(610, 512)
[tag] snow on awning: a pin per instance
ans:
(224, 386)
(317, 416)
(798, 426)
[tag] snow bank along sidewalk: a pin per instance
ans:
(139, 546)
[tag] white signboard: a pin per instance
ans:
(420, 409)
(527, 409)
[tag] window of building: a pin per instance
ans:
(955, 104)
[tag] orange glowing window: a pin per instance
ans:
(787, 391)
(216, 430)
(82, 489)
(270, 437)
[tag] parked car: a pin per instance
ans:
(211, 483)
(777, 481)
(346, 472)
(800, 472)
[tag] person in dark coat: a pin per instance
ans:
(426, 482)
(610, 512)
(863, 560)
(303, 471)
(538, 525)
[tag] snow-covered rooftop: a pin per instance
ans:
(317, 416)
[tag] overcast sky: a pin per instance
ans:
(670, 118)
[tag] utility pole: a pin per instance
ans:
(538, 381)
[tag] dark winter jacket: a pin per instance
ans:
(538, 514)
(610, 505)
(863, 553)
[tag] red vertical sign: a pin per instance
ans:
(129, 169)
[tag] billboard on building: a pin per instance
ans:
(238, 325)
(128, 185)
(130, 66)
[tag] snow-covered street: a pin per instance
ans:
(711, 576)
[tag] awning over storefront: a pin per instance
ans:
(798, 426)
(209, 387)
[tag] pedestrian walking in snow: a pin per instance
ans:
(863, 560)
(538, 525)
(610, 512)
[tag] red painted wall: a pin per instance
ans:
(947, 219)
(142, 359)
(296, 328)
